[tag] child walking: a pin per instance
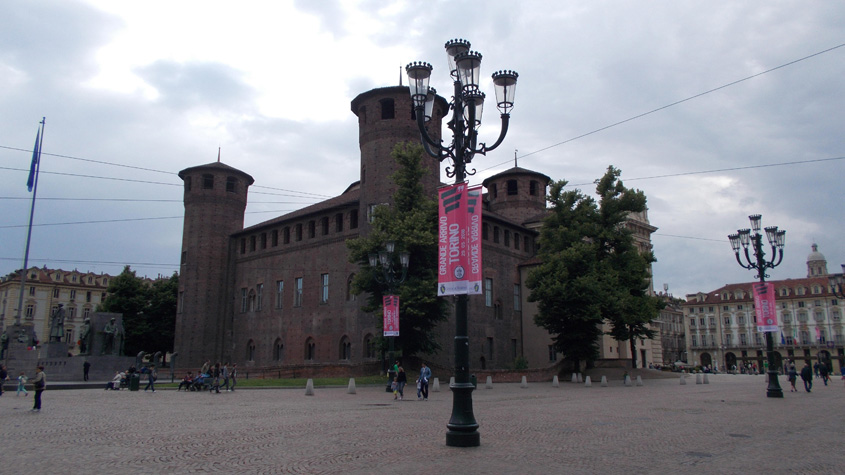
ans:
(22, 379)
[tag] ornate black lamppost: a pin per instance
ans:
(837, 284)
(466, 105)
(388, 277)
(777, 239)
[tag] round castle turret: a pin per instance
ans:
(517, 194)
(215, 198)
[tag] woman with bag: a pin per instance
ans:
(40, 384)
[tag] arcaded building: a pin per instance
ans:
(278, 293)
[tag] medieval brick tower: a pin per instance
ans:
(215, 199)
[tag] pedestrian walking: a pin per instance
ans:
(224, 373)
(422, 383)
(793, 377)
(401, 380)
(85, 367)
(824, 373)
(152, 375)
(22, 379)
(807, 376)
(39, 382)
(234, 376)
(4, 375)
(215, 378)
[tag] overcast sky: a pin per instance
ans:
(160, 85)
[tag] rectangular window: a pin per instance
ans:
(286, 235)
(299, 232)
(71, 313)
(517, 298)
(694, 340)
(552, 353)
(244, 301)
(324, 288)
(739, 307)
(297, 292)
(86, 312)
(72, 295)
(259, 290)
(87, 296)
(274, 239)
(727, 320)
(488, 292)
(280, 293)
(56, 293)
(713, 322)
(728, 339)
(243, 245)
(743, 339)
(32, 291)
(740, 320)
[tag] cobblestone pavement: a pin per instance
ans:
(727, 426)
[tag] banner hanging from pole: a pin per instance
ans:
(764, 307)
(390, 303)
(474, 237)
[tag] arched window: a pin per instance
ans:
(387, 109)
(345, 349)
(310, 349)
(251, 300)
(231, 184)
(512, 187)
(208, 181)
(532, 187)
(278, 350)
(250, 351)
(369, 346)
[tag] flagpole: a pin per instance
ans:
(37, 158)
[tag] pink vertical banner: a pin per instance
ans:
(390, 303)
(452, 240)
(474, 237)
(764, 307)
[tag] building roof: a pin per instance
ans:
(515, 171)
(349, 197)
(220, 167)
(808, 283)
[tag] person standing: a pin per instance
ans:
(793, 376)
(40, 384)
(152, 375)
(224, 373)
(4, 375)
(22, 385)
(234, 376)
(215, 378)
(85, 367)
(425, 375)
(401, 380)
(807, 376)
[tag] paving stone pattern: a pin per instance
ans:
(727, 426)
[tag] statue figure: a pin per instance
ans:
(85, 337)
(57, 324)
(4, 344)
(109, 333)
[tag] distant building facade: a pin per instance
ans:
(44, 290)
(722, 331)
(279, 292)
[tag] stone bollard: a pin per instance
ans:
(604, 381)
(697, 378)
(451, 381)
(555, 382)
(627, 380)
(706, 380)
(524, 383)
(767, 377)
(350, 389)
(309, 387)
(489, 383)
(639, 380)
(574, 378)
(683, 381)
(435, 385)
(588, 382)
(580, 379)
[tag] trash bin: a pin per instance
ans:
(390, 376)
(134, 382)
(474, 380)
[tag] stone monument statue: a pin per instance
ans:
(109, 335)
(85, 337)
(57, 324)
(4, 345)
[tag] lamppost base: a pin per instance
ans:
(463, 439)
(774, 389)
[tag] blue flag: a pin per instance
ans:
(35, 156)
(782, 339)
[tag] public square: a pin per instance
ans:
(727, 426)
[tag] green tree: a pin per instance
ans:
(411, 222)
(149, 312)
(591, 271)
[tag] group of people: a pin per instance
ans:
(39, 383)
(121, 378)
(807, 374)
(212, 378)
(401, 379)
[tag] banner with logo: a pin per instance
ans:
(764, 307)
(452, 240)
(390, 303)
(474, 237)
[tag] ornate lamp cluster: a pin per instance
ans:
(385, 259)
(744, 238)
(467, 105)
(777, 238)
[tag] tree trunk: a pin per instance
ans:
(633, 352)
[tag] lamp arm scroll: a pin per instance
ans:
(505, 121)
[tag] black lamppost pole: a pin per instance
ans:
(388, 277)
(466, 106)
(777, 239)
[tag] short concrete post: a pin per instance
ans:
(604, 381)
(309, 387)
(489, 383)
(524, 383)
(639, 380)
(683, 381)
(588, 382)
(627, 380)
(451, 381)
(706, 379)
(574, 378)
(350, 389)
(555, 382)
(435, 385)
(580, 379)
(698, 378)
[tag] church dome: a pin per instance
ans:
(815, 255)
